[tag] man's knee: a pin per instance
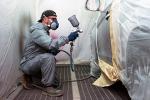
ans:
(25, 70)
(48, 57)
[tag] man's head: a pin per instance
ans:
(49, 18)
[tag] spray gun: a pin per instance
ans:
(75, 23)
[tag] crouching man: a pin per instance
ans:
(40, 50)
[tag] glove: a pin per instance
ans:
(54, 51)
(73, 36)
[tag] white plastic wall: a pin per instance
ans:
(132, 31)
(16, 16)
(130, 36)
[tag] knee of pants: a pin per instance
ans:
(25, 70)
(48, 58)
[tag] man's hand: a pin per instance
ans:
(72, 36)
(54, 51)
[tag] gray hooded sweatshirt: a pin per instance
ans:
(40, 42)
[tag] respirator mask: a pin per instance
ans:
(54, 25)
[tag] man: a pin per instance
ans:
(40, 50)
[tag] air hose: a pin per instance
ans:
(71, 60)
(72, 65)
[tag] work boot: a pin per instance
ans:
(51, 91)
(57, 84)
(25, 81)
(54, 92)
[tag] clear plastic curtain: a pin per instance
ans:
(129, 38)
(14, 21)
(132, 32)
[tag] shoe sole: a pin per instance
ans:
(46, 92)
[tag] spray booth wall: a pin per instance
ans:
(14, 21)
(18, 15)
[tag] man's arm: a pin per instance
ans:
(41, 38)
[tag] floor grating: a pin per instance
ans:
(87, 91)
(91, 92)
(35, 94)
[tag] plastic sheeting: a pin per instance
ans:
(130, 37)
(109, 73)
(133, 37)
(14, 21)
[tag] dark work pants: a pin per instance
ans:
(44, 64)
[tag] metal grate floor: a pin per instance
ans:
(87, 91)
(35, 94)
(91, 92)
